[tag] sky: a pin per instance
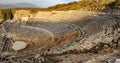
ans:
(41, 3)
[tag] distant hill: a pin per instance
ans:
(80, 5)
(19, 5)
(5, 6)
(25, 5)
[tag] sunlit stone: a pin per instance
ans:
(19, 45)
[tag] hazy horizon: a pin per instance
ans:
(40, 3)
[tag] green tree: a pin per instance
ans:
(11, 16)
(117, 2)
(4, 15)
(7, 14)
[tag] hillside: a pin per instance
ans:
(4, 6)
(81, 5)
(68, 6)
(18, 5)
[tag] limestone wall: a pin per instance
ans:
(57, 16)
(21, 13)
(51, 16)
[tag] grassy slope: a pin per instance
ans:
(79, 5)
(69, 6)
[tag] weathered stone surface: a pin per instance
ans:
(19, 45)
(117, 61)
(92, 61)
(98, 33)
(33, 36)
